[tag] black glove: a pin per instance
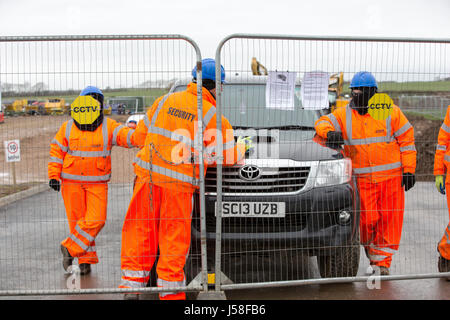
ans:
(334, 139)
(408, 180)
(55, 184)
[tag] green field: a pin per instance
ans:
(150, 95)
(405, 87)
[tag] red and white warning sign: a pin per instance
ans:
(12, 150)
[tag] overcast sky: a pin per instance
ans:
(208, 22)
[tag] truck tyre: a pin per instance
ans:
(340, 261)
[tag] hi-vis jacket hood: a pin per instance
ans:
(168, 136)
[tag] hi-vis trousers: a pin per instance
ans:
(381, 220)
(444, 244)
(167, 224)
(86, 206)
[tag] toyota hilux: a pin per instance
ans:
(292, 197)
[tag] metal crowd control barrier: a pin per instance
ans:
(311, 220)
(40, 77)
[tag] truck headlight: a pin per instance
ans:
(333, 172)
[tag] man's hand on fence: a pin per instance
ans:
(440, 184)
(54, 184)
(334, 139)
(247, 141)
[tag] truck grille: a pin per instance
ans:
(272, 180)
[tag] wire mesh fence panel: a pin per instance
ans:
(307, 204)
(91, 223)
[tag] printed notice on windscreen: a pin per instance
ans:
(280, 90)
(314, 90)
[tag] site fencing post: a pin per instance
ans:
(400, 65)
(38, 67)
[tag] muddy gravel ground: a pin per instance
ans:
(36, 132)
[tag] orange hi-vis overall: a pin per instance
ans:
(441, 167)
(82, 161)
(381, 150)
(159, 214)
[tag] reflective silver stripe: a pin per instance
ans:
(130, 133)
(445, 127)
(63, 148)
(90, 249)
(441, 147)
(387, 138)
(115, 132)
(171, 135)
(135, 273)
(105, 135)
(158, 109)
(334, 121)
(403, 129)
(57, 160)
(89, 154)
(408, 148)
(386, 250)
(146, 121)
(85, 178)
(377, 257)
(82, 245)
(132, 284)
(383, 167)
(68, 129)
(208, 116)
(168, 285)
(446, 233)
(164, 171)
(356, 142)
(84, 233)
(322, 121)
(447, 157)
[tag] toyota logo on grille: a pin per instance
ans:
(250, 172)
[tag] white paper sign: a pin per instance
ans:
(280, 90)
(314, 90)
(12, 150)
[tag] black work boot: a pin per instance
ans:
(444, 265)
(131, 296)
(384, 271)
(85, 268)
(67, 258)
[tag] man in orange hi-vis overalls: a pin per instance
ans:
(80, 165)
(441, 167)
(159, 214)
(384, 160)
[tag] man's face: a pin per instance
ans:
(213, 91)
(362, 95)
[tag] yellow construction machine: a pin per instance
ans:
(55, 106)
(258, 69)
(335, 87)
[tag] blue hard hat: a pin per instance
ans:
(209, 70)
(91, 89)
(363, 79)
